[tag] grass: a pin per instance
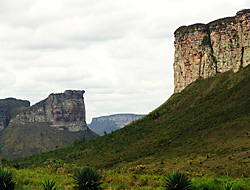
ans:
(202, 129)
(16, 142)
(28, 179)
(139, 177)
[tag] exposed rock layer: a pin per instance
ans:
(55, 122)
(202, 51)
(63, 111)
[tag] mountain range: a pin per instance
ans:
(106, 124)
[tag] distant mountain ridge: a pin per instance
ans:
(112, 122)
(55, 122)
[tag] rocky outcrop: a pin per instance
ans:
(9, 107)
(203, 50)
(53, 123)
(63, 111)
(112, 122)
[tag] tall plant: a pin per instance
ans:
(177, 181)
(87, 179)
(49, 185)
(6, 180)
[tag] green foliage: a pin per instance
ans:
(223, 183)
(4, 162)
(6, 180)
(29, 179)
(87, 179)
(209, 117)
(139, 178)
(49, 185)
(227, 186)
(177, 181)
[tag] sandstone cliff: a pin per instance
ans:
(63, 111)
(112, 122)
(55, 122)
(203, 50)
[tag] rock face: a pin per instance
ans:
(9, 107)
(112, 122)
(203, 50)
(63, 111)
(55, 122)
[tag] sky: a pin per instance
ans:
(121, 52)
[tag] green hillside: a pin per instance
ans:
(33, 138)
(203, 129)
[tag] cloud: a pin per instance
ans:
(120, 52)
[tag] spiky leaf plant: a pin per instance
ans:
(177, 181)
(87, 179)
(6, 180)
(49, 185)
(227, 186)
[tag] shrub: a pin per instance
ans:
(177, 181)
(227, 186)
(87, 179)
(6, 180)
(49, 185)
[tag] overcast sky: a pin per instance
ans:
(121, 52)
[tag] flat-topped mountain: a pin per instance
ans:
(63, 111)
(203, 50)
(55, 122)
(112, 122)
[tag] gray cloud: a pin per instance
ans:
(120, 52)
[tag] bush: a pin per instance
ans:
(227, 186)
(87, 179)
(49, 185)
(6, 180)
(177, 181)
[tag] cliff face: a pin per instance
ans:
(55, 122)
(63, 111)
(112, 122)
(202, 50)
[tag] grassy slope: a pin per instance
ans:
(33, 138)
(203, 129)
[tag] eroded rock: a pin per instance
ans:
(203, 50)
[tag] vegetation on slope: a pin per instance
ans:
(202, 130)
(19, 140)
(13, 106)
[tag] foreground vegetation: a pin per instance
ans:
(120, 178)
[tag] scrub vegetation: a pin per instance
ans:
(202, 132)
